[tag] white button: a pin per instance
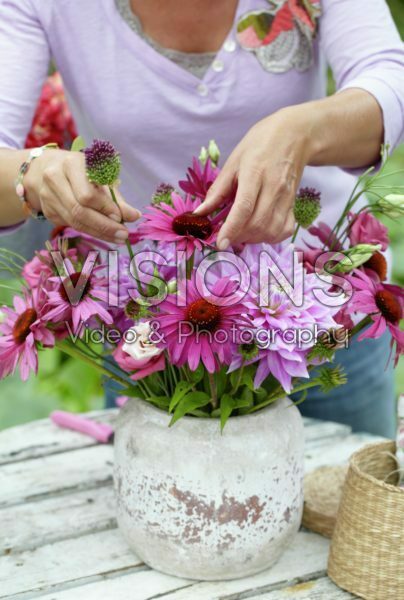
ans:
(229, 45)
(202, 89)
(217, 65)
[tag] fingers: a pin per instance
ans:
(95, 197)
(220, 189)
(129, 214)
(59, 203)
(248, 189)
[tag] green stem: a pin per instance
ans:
(240, 374)
(190, 266)
(295, 233)
(128, 245)
(213, 390)
(272, 399)
(75, 353)
(359, 326)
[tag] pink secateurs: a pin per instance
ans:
(101, 432)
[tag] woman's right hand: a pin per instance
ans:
(56, 184)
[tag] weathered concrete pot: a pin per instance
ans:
(194, 503)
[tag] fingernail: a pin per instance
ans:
(121, 236)
(223, 244)
(115, 218)
(198, 209)
(134, 213)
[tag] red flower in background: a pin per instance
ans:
(53, 121)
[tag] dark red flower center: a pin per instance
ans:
(22, 326)
(378, 264)
(203, 314)
(56, 231)
(73, 291)
(388, 305)
(193, 225)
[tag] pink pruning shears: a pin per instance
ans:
(101, 432)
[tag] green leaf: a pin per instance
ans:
(227, 405)
(159, 401)
(197, 375)
(260, 394)
(221, 381)
(132, 391)
(78, 144)
(245, 379)
(181, 389)
(189, 403)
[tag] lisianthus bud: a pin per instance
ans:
(172, 286)
(163, 194)
(307, 207)
(356, 256)
(103, 163)
(392, 205)
(211, 152)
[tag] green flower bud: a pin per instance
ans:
(203, 156)
(356, 256)
(172, 286)
(392, 205)
(211, 152)
(307, 207)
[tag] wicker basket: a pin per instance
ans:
(367, 548)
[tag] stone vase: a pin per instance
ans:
(199, 504)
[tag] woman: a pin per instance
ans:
(159, 78)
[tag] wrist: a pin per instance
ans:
(33, 179)
(306, 121)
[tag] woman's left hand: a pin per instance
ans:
(266, 167)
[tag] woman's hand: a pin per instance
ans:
(57, 184)
(266, 167)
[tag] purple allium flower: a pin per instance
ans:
(307, 206)
(163, 194)
(103, 163)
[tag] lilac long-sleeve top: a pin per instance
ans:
(158, 115)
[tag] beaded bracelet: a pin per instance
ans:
(19, 182)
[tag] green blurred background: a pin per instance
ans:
(71, 385)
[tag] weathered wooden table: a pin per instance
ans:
(58, 536)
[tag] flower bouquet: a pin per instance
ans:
(212, 343)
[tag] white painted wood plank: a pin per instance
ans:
(318, 589)
(71, 562)
(143, 585)
(305, 558)
(338, 452)
(28, 526)
(59, 473)
(42, 437)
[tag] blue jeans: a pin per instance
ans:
(366, 402)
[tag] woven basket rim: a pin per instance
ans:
(356, 456)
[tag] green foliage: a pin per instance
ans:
(188, 404)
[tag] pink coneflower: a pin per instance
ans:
(78, 297)
(199, 179)
(383, 303)
(201, 331)
(22, 330)
(177, 223)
